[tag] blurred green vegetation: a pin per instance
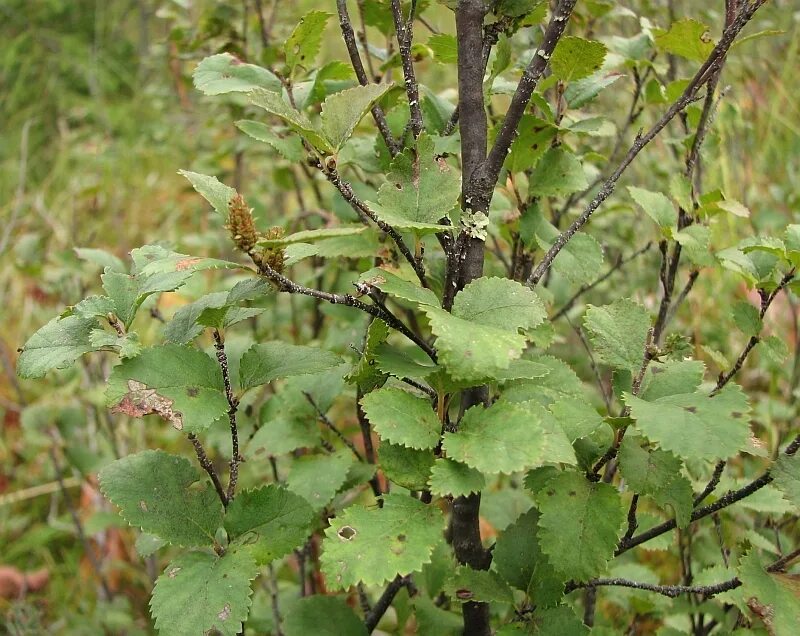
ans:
(97, 113)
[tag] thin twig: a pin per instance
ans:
(672, 591)
(405, 35)
(207, 466)
(327, 422)
(233, 406)
(372, 619)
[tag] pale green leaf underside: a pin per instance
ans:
(342, 111)
(406, 528)
(274, 104)
(269, 361)
(202, 593)
(153, 491)
(311, 236)
(225, 73)
(393, 284)
(56, 345)
(212, 190)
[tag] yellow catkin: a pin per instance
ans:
(241, 224)
(273, 256)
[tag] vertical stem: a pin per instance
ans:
(233, 405)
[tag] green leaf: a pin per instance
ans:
(269, 361)
(269, 522)
(580, 524)
(407, 467)
(506, 438)
(56, 345)
(420, 190)
(499, 302)
(558, 173)
(747, 318)
(555, 621)
(468, 585)
(342, 111)
(406, 529)
(772, 597)
(560, 381)
(693, 425)
(393, 284)
(577, 418)
(182, 385)
(579, 260)
(289, 147)
(317, 478)
(470, 351)
(154, 492)
(217, 194)
(273, 103)
(126, 345)
(575, 58)
(618, 333)
(687, 38)
(303, 45)
(786, 471)
(658, 207)
(581, 92)
(402, 418)
(403, 362)
(225, 73)
(519, 559)
(100, 257)
(449, 477)
(444, 47)
(281, 435)
(321, 616)
(534, 137)
(164, 270)
(202, 593)
(657, 473)
(671, 378)
(310, 236)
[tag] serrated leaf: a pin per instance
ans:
(180, 384)
(769, 596)
(499, 302)
(577, 418)
(506, 438)
(693, 425)
(202, 593)
(268, 361)
(786, 473)
(148, 544)
(671, 378)
(687, 38)
(555, 621)
(302, 46)
(658, 207)
(310, 236)
(56, 345)
(365, 373)
(402, 418)
(403, 363)
(575, 58)
(268, 522)
(581, 92)
(560, 381)
(468, 585)
(420, 190)
(747, 318)
(289, 147)
(580, 524)
(519, 559)
(100, 257)
(317, 478)
(273, 103)
(212, 190)
(558, 173)
(534, 138)
(406, 467)
(225, 73)
(449, 477)
(127, 345)
(406, 528)
(154, 492)
(391, 283)
(469, 351)
(618, 333)
(153, 260)
(342, 111)
(657, 473)
(321, 616)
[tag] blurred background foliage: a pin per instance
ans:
(97, 113)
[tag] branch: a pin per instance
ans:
(374, 616)
(327, 422)
(702, 76)
(207, 466)
(363, 210)
(728, 499)
(672, 591)
(527, 84)
(355, 59)
(289, 286)
(405, 35)
(233, 406)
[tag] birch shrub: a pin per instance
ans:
(465, 385)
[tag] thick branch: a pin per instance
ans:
(702, 76)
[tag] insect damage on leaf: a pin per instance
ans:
(141, 400)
